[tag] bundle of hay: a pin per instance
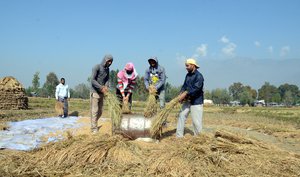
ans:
(161, 117)
(59, 108)
(114, 110)
(125, 107)
(151, 106)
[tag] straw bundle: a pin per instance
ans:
(114, 110)
(161, 117)
(59, 108)
(151, 106)
(125, 107)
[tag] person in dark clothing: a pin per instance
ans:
(192, 98)
(99, 86)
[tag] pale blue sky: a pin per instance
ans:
(248, 41)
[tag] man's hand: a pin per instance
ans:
(152, 89)
(104, 89)
(182, 96)
(126, 98)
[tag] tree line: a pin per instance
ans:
(288, 94)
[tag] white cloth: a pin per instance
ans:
(62, 91)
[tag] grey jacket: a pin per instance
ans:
(159, 71)
(100, 75)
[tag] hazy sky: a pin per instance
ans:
(249, 41)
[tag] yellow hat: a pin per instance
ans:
(192, 61)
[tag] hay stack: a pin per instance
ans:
(151, 106)
(12, 94)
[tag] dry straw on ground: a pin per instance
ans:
(224, 154)
(151, 106)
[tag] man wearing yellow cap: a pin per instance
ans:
(192, 98)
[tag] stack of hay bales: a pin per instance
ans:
(12, 94)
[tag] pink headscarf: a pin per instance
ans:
(124, 76)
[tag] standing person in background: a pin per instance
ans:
(126, 82)
(155, 75)
(99, 86)
(192, 98)
(62, 94)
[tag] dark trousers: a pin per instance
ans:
(65, 102)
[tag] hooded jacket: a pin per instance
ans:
(100, 75)
(158, 72)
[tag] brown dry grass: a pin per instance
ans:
(220, 154)
(151, 105)
(114, 110)
(59, 108)
(161, 117)
(125, 107)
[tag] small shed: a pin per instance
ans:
(12, 94)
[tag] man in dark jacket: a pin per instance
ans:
(192, 98)
(156, 75)
(99, 86)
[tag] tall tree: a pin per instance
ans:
(235, 89)
(50, 85)
(220, 96)
(36, 81)
(81, 91)
(293, 89)
(268, 93)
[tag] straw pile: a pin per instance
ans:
(151, 106)
(114, 110)
(224, 154)
(12, 94)
(59, 108)
(161, 117)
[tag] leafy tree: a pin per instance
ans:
(288, 98)
(220, 96)
(207, 95)
(171, 91)
(251, 91)
(36, 82)
(235, 89)
(293, 89)
(50, 85)
(140, 92)
(267, 92)
(246, 97)
(80, 91)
